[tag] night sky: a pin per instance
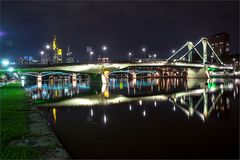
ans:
(123, 26)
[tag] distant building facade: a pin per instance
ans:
(27, 60)
(220, 43)
(69, 56)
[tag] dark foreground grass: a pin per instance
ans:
(14, 124)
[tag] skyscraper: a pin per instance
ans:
(69, 56)
(57, 52)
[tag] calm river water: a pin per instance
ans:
(143, 118)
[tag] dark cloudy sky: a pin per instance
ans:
(123, 25)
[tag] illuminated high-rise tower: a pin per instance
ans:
(57, 52)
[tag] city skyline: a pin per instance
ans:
(122, 26)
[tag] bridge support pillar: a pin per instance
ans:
(105, 77)
(190, 47)
(204, 43)
(197, 73)
(99, 78)
(134, 75)
(74, 80)
(39, 81)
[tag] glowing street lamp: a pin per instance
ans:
(47, 46)
(129, 56)
(104, 48)
(42, 53)
(173, 51)
(154, 56)
(90, 55)
(144, 52)
(5, 62)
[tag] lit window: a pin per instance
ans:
(212, 44)
(216, 44)
(227, 44)
(227, 49)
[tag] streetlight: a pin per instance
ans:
(212, 56)
(5, 62)
(104, 48)
(90, 55)
(129, 55)
(173, 51)
(144, 52)
(234, 61)
(42, 53)
(155, 55)
(47, 46)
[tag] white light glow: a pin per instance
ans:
(144, 113)
(104, 48)
(105, 119)
(47, 46)
(130, 107)
(155, 104)
(10, 69)
(5, 62)
(91, 112)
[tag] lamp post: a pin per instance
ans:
(154, 56)
(104, 48)
(42, 53)
(129, 56)
(144, 52)
(90, 55)
(47, 54)
(234, 62)
(212, 58)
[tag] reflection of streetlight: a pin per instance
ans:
(105, 119)
(10, 69)
(129, 55)
(104, 48)
(144, 52)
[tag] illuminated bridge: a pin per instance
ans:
(189, 62)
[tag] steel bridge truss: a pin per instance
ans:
(191, 48)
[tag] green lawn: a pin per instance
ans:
(14, 123)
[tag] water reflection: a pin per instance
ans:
(135, 113)
(189, 97)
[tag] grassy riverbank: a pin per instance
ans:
(14, 106)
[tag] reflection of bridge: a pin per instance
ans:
(178, 64)
(190, 102)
